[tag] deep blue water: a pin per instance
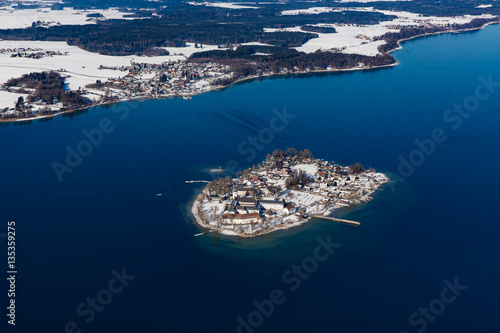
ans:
(440, 223)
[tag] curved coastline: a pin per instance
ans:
(251, 78)
(238, 209)
(400, 41)
(199, 221)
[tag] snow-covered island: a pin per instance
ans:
(287, 189)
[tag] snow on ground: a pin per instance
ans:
(407, 18)
(228, 5)
(367, 1)
(256, 43)
(369, 49)
(189, 49)
(310, 169)
(301, 199)
(8, 99)
(321, 10)
(348, 39)
(82, 67)
(203, 84)
(358, 38)
(206, 84)
(11, 18)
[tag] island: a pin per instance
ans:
(287, 189)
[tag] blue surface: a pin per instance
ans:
(440, 223)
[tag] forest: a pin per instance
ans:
(426, 7)
(183, 23)
(245, 62)
(392, 38)
(323, 30)
(179, 22)
(49, 88)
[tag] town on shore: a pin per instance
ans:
(138, 81)
(287, 189)
(38, 97)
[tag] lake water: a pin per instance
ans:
(438, 222)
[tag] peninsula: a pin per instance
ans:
(61, 61)
(287, 189)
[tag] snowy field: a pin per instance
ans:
(322, 10)
(11, 18)
(310, 169)
(187, 51)
(227, 5)
(82, 67)
(302, 199)
(8, 99)
(368, 1)
(347, 39)
(357, 39)
(484, 6)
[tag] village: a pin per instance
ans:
(140, 80)
(179, 78)
(289, 188)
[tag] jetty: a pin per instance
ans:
(335, 219)
(204, 233)
(197, 181)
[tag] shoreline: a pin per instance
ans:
(400, 47)
(202, 224)
(249, 78)
(187, 96)
(209, 217)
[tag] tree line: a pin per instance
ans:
(393, 38)
(181, 23)
(245, 62)
(49, 88)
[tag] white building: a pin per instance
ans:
(274, 205)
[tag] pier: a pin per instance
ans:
(334, 219)
(197, 181)
(204, 233)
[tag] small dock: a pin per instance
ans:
(204, 233)
(334, 219)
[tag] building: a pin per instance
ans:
(274, 205)
(246, 191)
(247, 202)
(240, 218)
(271, 191)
